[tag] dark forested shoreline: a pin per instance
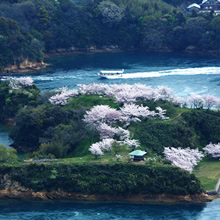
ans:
(30, 29)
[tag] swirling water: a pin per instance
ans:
(184, 74)
(27, 210)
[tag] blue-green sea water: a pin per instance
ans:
(4, 132)
(27, 210)
(183, 73)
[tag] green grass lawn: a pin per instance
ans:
(208, 172)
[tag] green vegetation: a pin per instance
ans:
(13, 100)
(117, 179)
(29, 28)
(7, 154)
(208, 173)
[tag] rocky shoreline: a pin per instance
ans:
(28, 194)
(25, 66)
(14, 190)
(28, 66)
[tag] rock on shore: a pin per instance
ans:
(25, 66)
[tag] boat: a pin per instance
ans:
(108, 74)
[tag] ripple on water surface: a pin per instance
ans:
(82, 210)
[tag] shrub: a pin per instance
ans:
(7, 154)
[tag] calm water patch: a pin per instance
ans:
(103, 211)
(4, 132)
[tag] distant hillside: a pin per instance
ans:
(31, 28)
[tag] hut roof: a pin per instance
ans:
(137, 153)
(193, 5)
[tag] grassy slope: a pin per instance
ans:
(208, 172)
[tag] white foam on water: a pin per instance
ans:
(174, 72)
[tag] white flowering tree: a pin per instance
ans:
(209, 101)
(161, 113)
(17, 83)
(93, 89)
(101, 114)
(186, 158)
(213, 150)
(125, 93)
(164, 92)
(196, 101)
(106, 131)
(133, 112)
(132, 143)
(96, 150)
(61, 98)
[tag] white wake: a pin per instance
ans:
(172, 72)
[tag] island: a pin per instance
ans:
(75, 144)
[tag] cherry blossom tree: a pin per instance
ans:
(96, 150)
(186, 158)
(132, 143)
(61, 98)
(196, 101)
(209, 101)
(106, 144)
(213, 150)
(133, 112)
(179, 101)
(17, 83)
(161, 113)
(125, 93)
(93, 89)
(123, 134)
(101, 114)
(106, 131)
(164, 92)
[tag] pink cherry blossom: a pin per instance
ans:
(209, 101)
(96, 150)
(213, 150)
(106, 131)
(132, 143)
(17, 83)
(186, 158)
(101, 114)
(61, 98)
(161, 113)
(196, 101)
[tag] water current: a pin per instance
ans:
(183, 73)
(17, 210)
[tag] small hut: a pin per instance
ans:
(194, 7)
(137, 155)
